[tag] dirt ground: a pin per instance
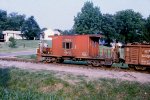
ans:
(90, 73)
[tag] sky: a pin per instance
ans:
(59, 14)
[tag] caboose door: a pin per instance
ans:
(67, 47)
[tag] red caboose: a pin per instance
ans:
(78, 46)
(74, 47)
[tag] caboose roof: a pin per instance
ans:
(96, 35)
(90, 35)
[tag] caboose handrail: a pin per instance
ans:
(105, 52)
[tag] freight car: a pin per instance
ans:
(137, 55)
(86, 48)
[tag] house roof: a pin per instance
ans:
(12, 32)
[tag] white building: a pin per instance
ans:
(47, 33)
(14, 34)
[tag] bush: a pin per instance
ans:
(12, 42)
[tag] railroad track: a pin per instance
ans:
(75, 65)
(19, 60)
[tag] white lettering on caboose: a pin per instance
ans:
(67, 40)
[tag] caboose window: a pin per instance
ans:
(67, 45)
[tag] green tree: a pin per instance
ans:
(129, 25)
(109, 27)
(88, 21)
(15, 21)
(31, 29)
(68, 32)
(3, 19)
(12, 42)
(146, 34)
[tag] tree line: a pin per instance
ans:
(125, 26)
(16, 22)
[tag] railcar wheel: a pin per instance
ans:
(140, 68)
(48, 60)
(95, 63)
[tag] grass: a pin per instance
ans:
(16, 84)
(22, 45)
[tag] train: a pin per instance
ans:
(87, 48)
